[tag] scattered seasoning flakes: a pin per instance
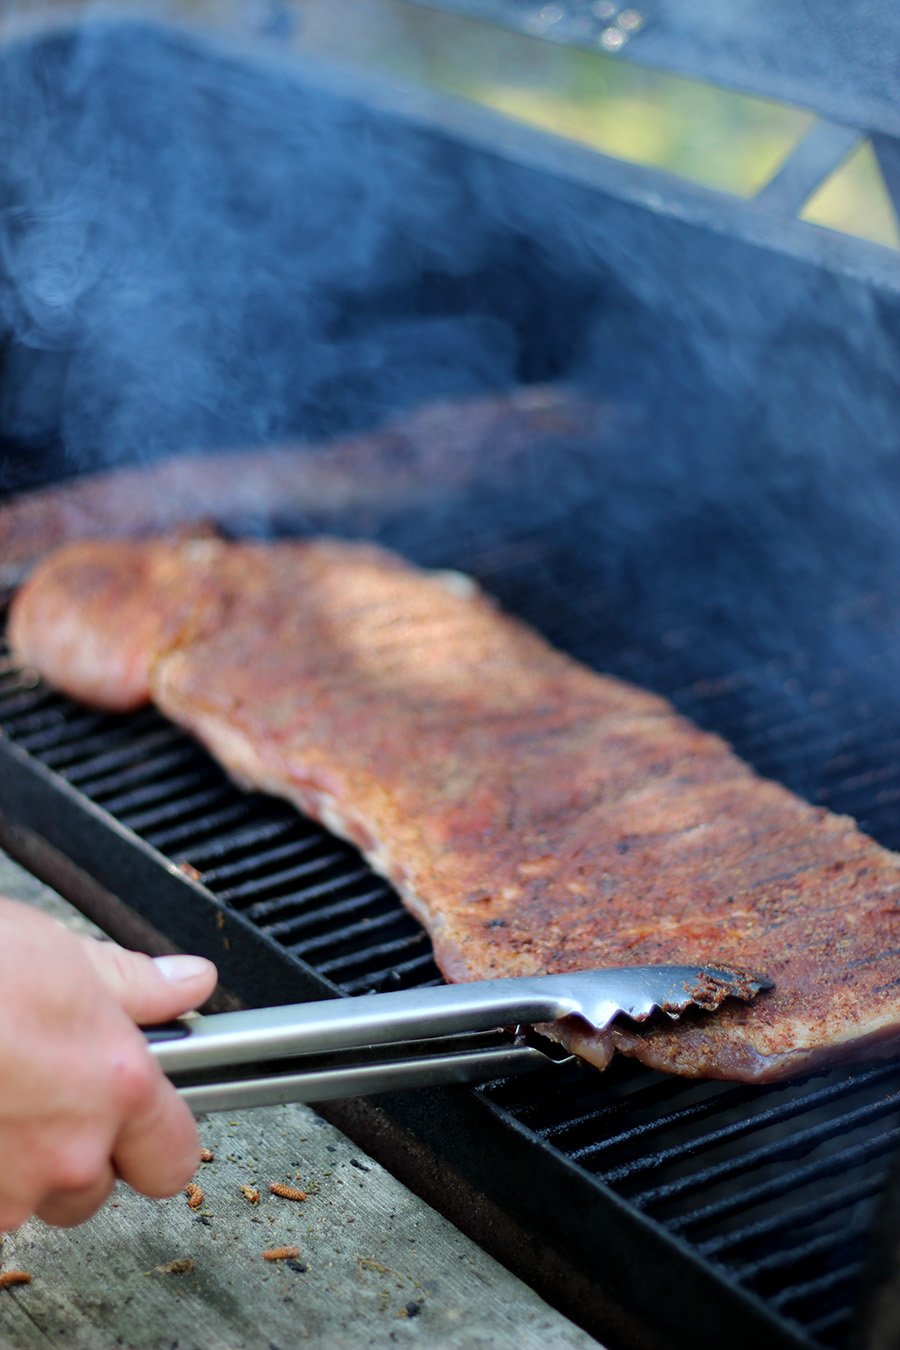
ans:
(207, 1155)
(183, 1266)
(281, 1253)
(194, 1194)
(287, 1192)
(250, 1194)
(366, 1263)
(10, 1277)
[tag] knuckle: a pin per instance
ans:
(78, 1166)
(135, 1080)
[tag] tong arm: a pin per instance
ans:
(258, 1034)
(304, 1029)
(379, 1042)
(318, 1078)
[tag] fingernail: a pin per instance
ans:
(177, 968)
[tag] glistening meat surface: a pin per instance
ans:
(534, 815)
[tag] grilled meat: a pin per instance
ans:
(535, 816)
(440, 449)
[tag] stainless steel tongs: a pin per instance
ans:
(348, 1047)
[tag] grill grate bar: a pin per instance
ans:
(144, 821)
(418, 971)
(279, 928)
(750, 1271)
(108, 749)
(727, 1097)
(824, 1328)
(336, 937)
(29, 700)
(259, 862)
(385, 949)
(288, 876)
(749, 716)
(823, 1286)
(358, 905)
(274, 824)
(339, 936)
(649, 1096)
(825, 1207)
(129, 803)
(684, 1115)
(39, 731)
(623, 1082)
(166, 840)
(776, 1187)
(164, 766)
(799, 1142)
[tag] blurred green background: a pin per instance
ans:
(732, 142)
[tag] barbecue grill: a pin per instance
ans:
(730, 541)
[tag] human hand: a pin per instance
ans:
(83, 1101)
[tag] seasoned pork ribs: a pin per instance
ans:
(534, 815)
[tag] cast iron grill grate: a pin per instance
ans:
(773, 1187)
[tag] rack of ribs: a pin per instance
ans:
(536, 816)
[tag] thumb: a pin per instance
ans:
(151, 989)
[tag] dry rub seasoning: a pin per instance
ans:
(287, 1192)
(10, 1277)
(183, 1266)
(194, 1195)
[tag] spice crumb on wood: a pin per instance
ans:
(367, 1263)
(11, 1277)
(207, 1155)
(250, 1194)
(281, 1253)
(287, 1192)
(194, 1195)
(182, 1266)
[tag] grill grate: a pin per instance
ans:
(773, 1187)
